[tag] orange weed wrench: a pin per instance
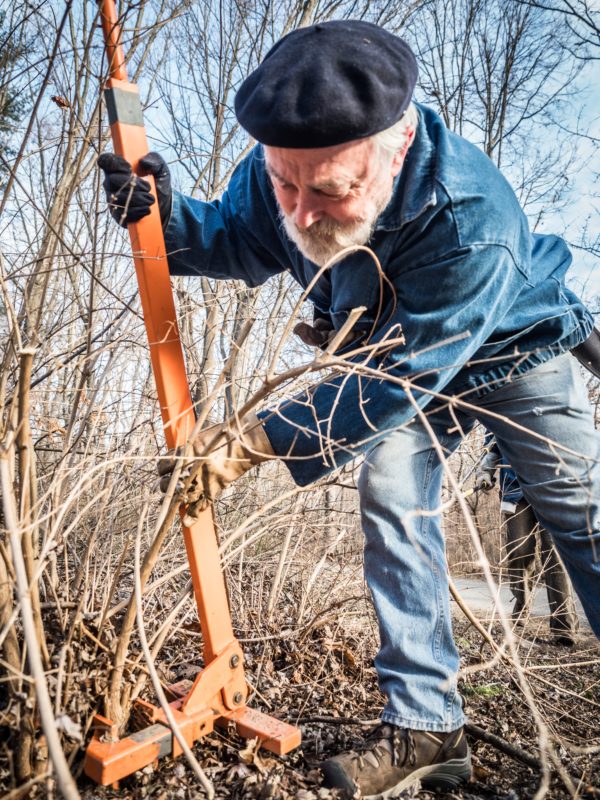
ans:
(220, 690)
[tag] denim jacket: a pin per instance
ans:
(478, 298)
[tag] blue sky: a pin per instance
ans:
(583, 209)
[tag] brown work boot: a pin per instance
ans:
(393, 759)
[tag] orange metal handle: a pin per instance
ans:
(168, 364)
(219, 692)
(147, 242)
(112, 40)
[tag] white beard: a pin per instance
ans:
(325, 238)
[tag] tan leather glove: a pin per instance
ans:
(239, 449)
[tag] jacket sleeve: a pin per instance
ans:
(445, 310)
(234, 237)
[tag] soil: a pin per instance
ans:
(322, 678)
(327, 684)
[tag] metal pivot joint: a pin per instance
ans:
(218, 694)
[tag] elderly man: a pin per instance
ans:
(344, 157)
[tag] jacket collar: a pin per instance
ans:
(414, 186)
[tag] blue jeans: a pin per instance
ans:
(405, 562)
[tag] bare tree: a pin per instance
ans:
(582, 18)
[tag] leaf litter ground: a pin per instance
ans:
(324, 681)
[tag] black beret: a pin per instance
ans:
(326, 84)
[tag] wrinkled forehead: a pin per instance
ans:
(341, 164)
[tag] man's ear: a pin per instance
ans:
(400, 155)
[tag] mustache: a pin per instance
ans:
(325, 230)
(325, 238)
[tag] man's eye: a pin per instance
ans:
(331, 195)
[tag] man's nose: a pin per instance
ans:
(307, 211)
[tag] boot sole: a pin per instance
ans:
(435, 777)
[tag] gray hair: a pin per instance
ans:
(394, 138)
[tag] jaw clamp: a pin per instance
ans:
(216, 698)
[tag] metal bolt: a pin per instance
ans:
(238, 698)
(234, 661)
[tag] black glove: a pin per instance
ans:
(322, 333)
(484, 480)
(128, 196)
(317, 335)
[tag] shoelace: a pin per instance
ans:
(410, 750)
(397, 738)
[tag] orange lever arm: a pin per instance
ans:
(149, 254)
(220, 690)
